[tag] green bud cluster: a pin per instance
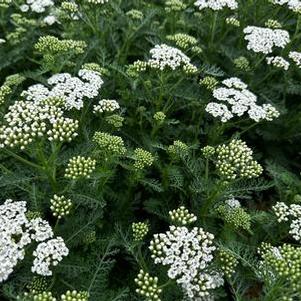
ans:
(32, 214)
(134, 69)
(60, 206)
(142, 159)
(90, 237)
(159, 117)
(182, 216)
(182, 40)
(232, 21)
(273, 24)
(235, 161)
(38, 284)
(5, 91)
(80, 167)
(139, 230)
(284, 262)
(135, 14)
(227, 262)
(148, 286)
(75, 296)
(190, 69)
(5, 3)
(52, 45)
(237, 217)
(69, 7)
(209, 82)
(115, 120)
(14, 80)
(174, 6)
(196, 49)
(34, 296)
(112, 145)
(208, 151)
(242, 63)
(178, 149)
(93, 67)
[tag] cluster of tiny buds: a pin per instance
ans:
(270, 23)
(115, 120)
(208, 151)
(242, 63)
(232, 21)
(106, 105)
(142, 159)
(182, 40)
(178, 149)
(110, 144)
(139, 230)
(80, 167)
(63, 129)
(174, 6)
(60, 206)
(235, 160)
(159, 117)
(209, 82)
(75, 296)
(148, 286)
(182, 216)
(90, 237)
(135, 14)
(228, 262)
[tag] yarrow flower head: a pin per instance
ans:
(135, 14)
(5, 91)
(208, 151)
(80, 167)
(278, 62)
(209, 82)
(142, 159)
(188, 255)
(242, 63)
(182, 216)
(294, 5)
(261, 39)
(48, 254)
(72, 89)
(140, 230)
(98, 1)
(159, 117)
(274, 24)
(37, 6)
(147, 286)
(16, 232)
(60, 206)
(233, 21)
(292, 213)
(295, 57)
(235, 160)
(111, 145)
(216, 4)
(163, 56)
(238, 100)
(106, 105)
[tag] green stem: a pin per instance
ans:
(213, 28)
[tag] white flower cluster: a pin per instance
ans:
(188, 255)
(26, 121)
(163, 56)
(278, 62)
(16, 232)
(37, 6)
(293, 213)
(296, 57)
(47, 254)
(261, 39)
(216, 4)
(233, 203)
(98, 1)
(72, 89)
(294, 5)
(241, 100)
(106, 105)
(181, 216)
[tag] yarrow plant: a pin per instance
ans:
(149, 150)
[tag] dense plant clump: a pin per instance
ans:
(150, 150)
